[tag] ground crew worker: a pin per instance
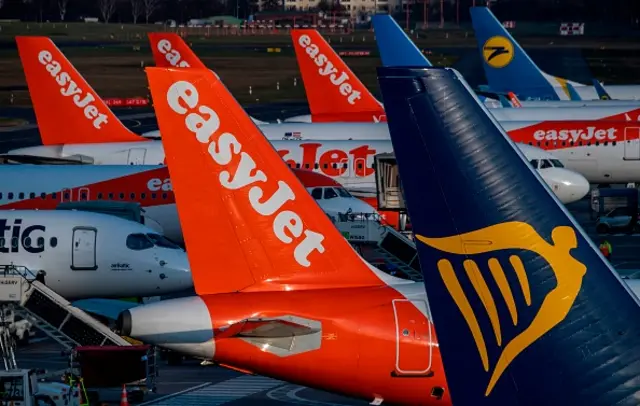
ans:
(606, 249)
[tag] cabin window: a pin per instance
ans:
(153, 195)
(43, 195)
(329, 193)
(326, 166)
(99, 196)
(360, 166)
(40, 242)
(162, 241)
(1, 242)
(66, 195)
(306, 166)
(54, 195)
(32, 195)
(110, 196)
(143, 195)
(53, 242)
(14, 242)
(317, 193)
(297, 166)
(345, 165)
(316, 166)
(613, 143)
(121, 195)
(10, 196)
(21, 195)
(132, 196)
(83, 196)
(0, 195)
(27, 242)
(164, 196)
(138, 242)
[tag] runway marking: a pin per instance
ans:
(218, 394)
(289, 394)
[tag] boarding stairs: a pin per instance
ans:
(381, 245)
(51, 313)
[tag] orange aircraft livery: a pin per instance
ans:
(293, 300)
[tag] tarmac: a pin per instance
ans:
(193, 384)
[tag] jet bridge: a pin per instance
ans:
(50, 312)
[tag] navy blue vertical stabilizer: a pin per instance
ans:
(507, 67)
(526, 310)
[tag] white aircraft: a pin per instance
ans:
(93, 255)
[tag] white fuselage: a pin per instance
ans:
(87, 255)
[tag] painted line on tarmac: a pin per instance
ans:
(289, 394)
(218, 394)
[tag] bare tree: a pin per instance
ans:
(149, 7)
(136, 10)
(107, 8)
(62, 8)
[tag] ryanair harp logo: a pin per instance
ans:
(568, 272)
(497, 52)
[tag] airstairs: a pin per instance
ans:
(381, 245)
(50, 312)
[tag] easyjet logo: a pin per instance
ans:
(69, 88)
(157, 184)
(327, 69)
(577, 134)
(332, 162)
(171, 55)
(223, 147)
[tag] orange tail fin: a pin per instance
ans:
(333, 91)
(170, 50)
(248, 222)
(67, 109)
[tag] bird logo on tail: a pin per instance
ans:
(511, 236)
(497, 52)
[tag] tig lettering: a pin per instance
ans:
(17, 234)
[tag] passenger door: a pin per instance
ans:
(136, 156)
(632, 143)
(83, 249)
(413, 338)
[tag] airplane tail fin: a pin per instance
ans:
(334, 92)
(514, 99)
(248, 222)
(600, 90)
(170, 50)
(67, 109)
(396, 48)
(573, 93)
(506, 65)
(516, 288)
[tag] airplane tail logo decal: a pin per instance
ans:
(497, 52)
(515, 235)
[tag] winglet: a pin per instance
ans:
(248, 222)
(334, 92)
(506, 65)
(67, 109)
(602, 93)
(516, 288)
(396, 48)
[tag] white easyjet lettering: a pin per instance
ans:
(204, 123)
(338, 79)
(68, 87)
(575, 135)
(171, 55)
(157, 184)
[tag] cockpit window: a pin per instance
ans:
(329, 193)
(343, 192)
(545, 163)
(317, 193)
(138, 242)
(556, 163)
(534, 163)
(162, 241)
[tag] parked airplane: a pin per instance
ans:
(44, 187)
(296, 301)
(326, 94)
(509, 68)
(516, 288)
(602, 151)
(88, 255)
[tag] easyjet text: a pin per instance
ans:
(171, 55)
(575, 135)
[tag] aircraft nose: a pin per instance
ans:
(568, 185)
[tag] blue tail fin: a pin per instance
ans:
(507, 67)
(602, 93)
(527, 311)
(573, 93)
(396, 49)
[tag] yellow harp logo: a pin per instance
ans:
(511, 236)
